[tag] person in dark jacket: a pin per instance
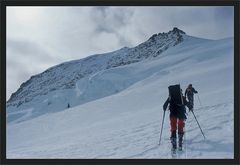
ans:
(177, 120)
(189, 92)
(68, 106)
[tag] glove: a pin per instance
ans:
(164, 108)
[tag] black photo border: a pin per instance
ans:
(5, 3)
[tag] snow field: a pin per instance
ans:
(123, 113)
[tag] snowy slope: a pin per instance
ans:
(44, 90)
(124, 120)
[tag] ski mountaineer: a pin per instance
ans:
(189, 92)
(177, 120)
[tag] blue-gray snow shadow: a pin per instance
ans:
(212, 146)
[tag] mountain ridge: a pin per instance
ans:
(153, 47)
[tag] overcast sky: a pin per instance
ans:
(40, 37)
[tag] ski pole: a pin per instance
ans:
(162, 127)
(198, 124)
(199, 100)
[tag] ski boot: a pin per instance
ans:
(180, 141)
(174, 141)
(174, 147)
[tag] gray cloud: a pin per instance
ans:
(23, 60)
(114, 19)
(40, 37)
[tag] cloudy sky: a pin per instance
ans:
(41, 37)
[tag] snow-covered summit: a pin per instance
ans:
(65, 75)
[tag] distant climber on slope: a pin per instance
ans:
(177, 103)
(189, 92)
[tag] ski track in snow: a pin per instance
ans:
(142, 141)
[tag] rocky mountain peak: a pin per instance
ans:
(176, 31)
